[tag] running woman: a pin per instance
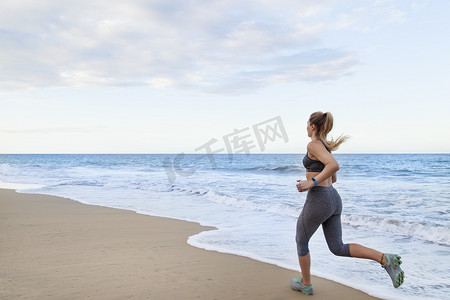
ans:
(323, 206)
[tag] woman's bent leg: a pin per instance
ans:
(359, 251)
(332, 229)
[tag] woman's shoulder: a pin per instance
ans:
(316, 145)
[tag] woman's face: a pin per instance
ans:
(309, 129)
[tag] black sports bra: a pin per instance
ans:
(313, 165)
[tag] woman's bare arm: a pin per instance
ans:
(318, 150)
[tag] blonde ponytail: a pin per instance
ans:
(324, 124)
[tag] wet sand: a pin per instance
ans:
(57, 248)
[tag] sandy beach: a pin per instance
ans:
(57, 248)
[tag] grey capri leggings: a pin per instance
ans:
(323, 206)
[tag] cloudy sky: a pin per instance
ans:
(162, 76)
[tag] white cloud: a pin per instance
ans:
(211, 46)
(161, 82)
(31, 101)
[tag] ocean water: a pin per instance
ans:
(398, 203)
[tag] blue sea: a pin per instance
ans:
(398, 203)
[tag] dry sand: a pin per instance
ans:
(57, 248)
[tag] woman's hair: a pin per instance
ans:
(324, 124)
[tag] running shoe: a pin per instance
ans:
(392, 266)
(297, 285)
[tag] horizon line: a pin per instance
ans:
(189, 153)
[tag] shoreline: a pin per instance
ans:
(58, 248)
